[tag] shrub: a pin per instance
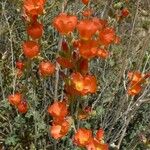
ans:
(70, 70)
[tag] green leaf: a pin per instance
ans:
(11, 140)
(99, 110)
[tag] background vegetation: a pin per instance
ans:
(125, 119)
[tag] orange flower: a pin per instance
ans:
(77, 81)
(134, 89)
(20, 65)
(22, 107)
(95, 145)
(107, 36)
(35, 30)
(83, 84)
(136, 79)
(87, 28)
(100, 134)
(88, 49)
(59, 130)
(58, 110)
(31, 49)
(85, 2)
(124, 12)
(90, 84)
(101, 24)
(33, 7)
(102, 53)
(15, 99)
(65, 62)
(135, 76)
(82, 137)
(64, 23)
(46, 68)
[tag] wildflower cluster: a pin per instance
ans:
(83, 138)
(93, 38)
(81, 41)
(60, 125)
(17, 100)
(31, 49)
(32, 9)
